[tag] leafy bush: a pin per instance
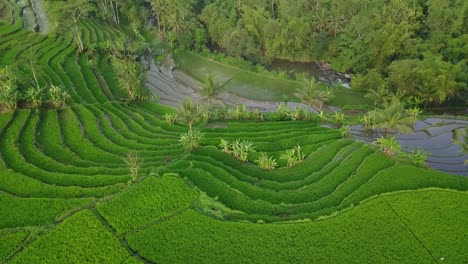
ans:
(170, 118)
(134, 163)
(266, 162)
(388, 145)
(293, 156)
(192, 139)
(345, 131)
(241, 149)
(416, 156)
(225, 146)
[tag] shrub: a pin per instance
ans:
(241, 149)
(417, 156)
(298, 114)
(134, 163)
(170, 118)
(322, 117)
(388, 145)
(266, 162)
(338, 119)
(58, 96)
(225, 145)
(345, 131)
(293, 156)
(192, 139)
(283, 113)
(34, 96)
(9, 93)
(130, 76)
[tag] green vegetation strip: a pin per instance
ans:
(10, 241)
(81, 238)
(366, 234)
(18, 212)
(147, 202)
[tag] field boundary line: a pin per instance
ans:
(409, 229)
(122, 240)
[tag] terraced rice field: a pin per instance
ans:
(444, 139)
(65, 194)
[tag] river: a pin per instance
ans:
(320, 71)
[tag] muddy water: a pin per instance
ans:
(319, 71)
(442, 138)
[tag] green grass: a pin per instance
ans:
(246, 84)
(10, 241)
(147, 202)
(19, 212)
(426, 216)
(252, 85)
(81, 238)
(366, 234)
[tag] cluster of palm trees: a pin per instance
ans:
(314, 94)
(392, 116)
(240, 149)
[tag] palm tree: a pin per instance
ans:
(392, 117)
(224, 145)
(34, 96)
(431, 94)
(388, 145)
(266, 162)
(190, 113)
(313, 94)
(58, 96)
(378, 95)
(210, 88)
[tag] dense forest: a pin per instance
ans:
(414, 48)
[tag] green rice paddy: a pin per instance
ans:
(66, 196)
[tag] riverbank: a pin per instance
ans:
(255, 86)
(173, 86)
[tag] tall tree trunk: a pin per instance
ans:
(78, 40)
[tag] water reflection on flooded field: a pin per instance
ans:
(444, 139)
